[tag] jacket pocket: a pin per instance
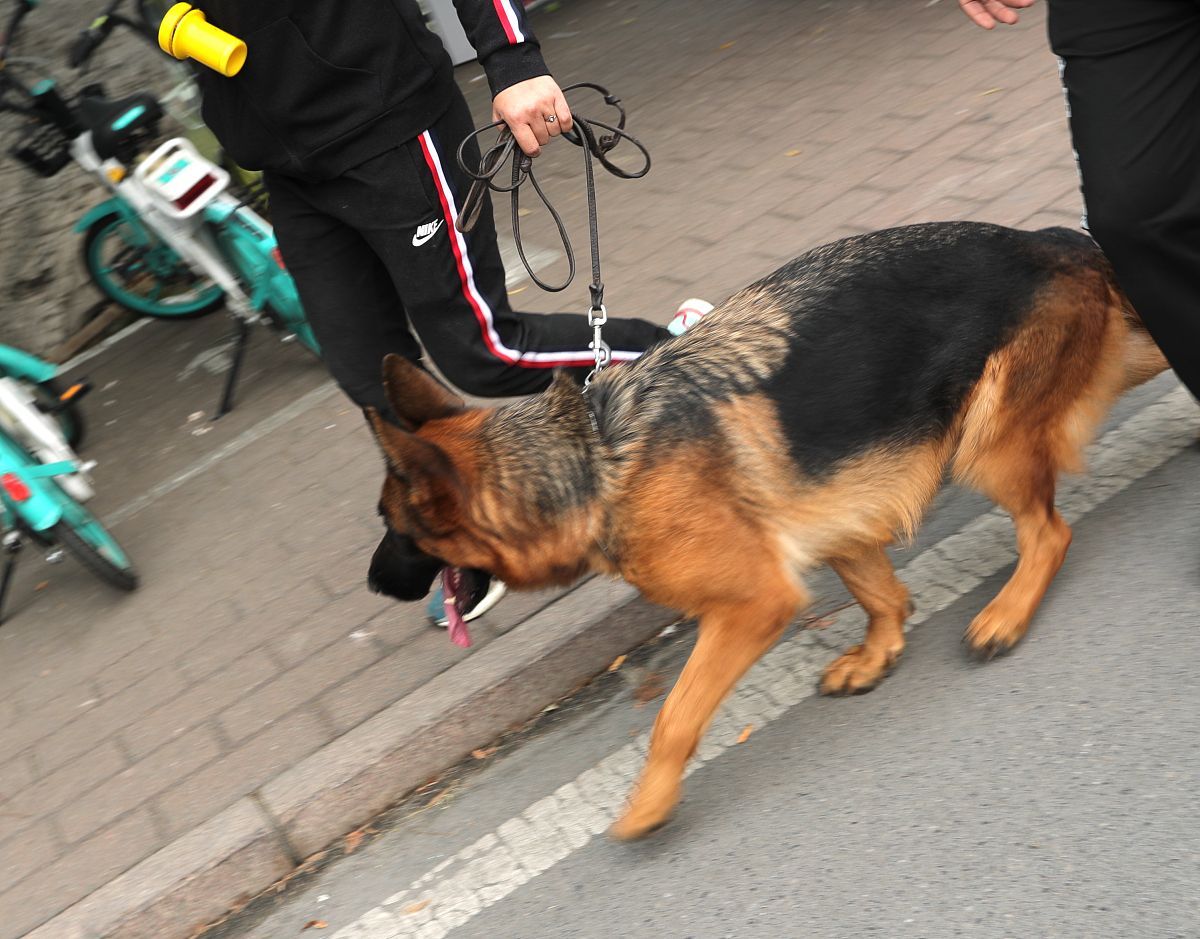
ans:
(308, 101)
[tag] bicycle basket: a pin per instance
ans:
(44, 148)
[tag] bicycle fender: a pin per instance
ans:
(113, 206)
(23, 365)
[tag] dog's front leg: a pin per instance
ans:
(733, 636)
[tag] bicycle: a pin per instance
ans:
(170, 241)
(43, 483)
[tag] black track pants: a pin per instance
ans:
(1132, 74)
(378, 263)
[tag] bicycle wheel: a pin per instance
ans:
(89, 542)
(150, 279)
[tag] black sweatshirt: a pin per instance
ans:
(328, 84)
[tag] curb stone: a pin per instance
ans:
(254, 843)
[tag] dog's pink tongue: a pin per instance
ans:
(456, 625)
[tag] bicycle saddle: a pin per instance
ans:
(115, 123)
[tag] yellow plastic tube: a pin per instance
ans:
(186, 34)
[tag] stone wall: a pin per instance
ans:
(44, 290)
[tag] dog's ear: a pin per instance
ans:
(430, 482)
(415, 395)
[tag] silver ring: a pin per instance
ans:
(550, 118)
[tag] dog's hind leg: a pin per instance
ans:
(869, 576)
(733, 635)
(1021, 481)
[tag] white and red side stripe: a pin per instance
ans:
(476, 300)
(509, 20)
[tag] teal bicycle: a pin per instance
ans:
(171, 241)
(43, 483)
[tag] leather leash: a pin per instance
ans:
(595, 145)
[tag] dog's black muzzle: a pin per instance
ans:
(400, 569)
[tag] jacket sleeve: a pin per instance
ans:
(507, 48)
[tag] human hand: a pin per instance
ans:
(987, 13)
(534, 110)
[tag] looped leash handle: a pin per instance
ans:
(583, 135)
(594, 145)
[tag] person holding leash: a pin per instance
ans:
(351, 111)
(1132, 74)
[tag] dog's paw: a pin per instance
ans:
(995, 630)
(650, 808)
(857, 671)
(634, 825)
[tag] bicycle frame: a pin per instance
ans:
(43, 483)
(227, 241)
(23, 365)
(43, 509)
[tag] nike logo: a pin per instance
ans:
(425, 232)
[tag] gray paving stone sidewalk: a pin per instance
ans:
(125, 722)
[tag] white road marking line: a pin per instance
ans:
(554, 827)
(240, 442)
(104, 345)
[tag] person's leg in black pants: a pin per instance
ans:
(375, 253)
(1132, 74)
(347, 293)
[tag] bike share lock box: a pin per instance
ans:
(185, 33)
(179, 179)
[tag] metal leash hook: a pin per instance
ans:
(602, 350)
(584, 136)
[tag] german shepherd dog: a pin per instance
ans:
(809, 419)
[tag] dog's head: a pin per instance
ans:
(503, 490)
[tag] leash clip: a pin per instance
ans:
(597, 317)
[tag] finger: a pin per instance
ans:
(979, 16)
(540, 130)
(563, 112)
(552, 125)
(525, 139)
(1002, 12)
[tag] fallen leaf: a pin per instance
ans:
(416, 907)
(650, 688)
(726, 45)
(617, 663)
(484, 753)
(43, 585)
(353, 840)
(745, 734)
(793, 153)
(316, 924)
(991, 91)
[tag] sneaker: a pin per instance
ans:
(481, 592)
(690, 313)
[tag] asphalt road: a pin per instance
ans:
(1051, 792)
